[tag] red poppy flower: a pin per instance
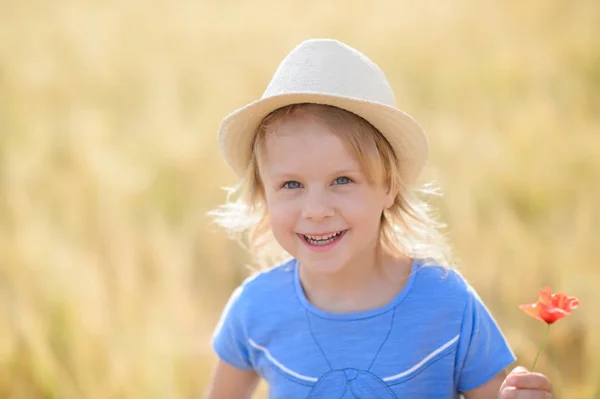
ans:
(550, 307)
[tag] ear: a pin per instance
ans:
(390, 195)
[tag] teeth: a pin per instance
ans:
(325, 237)
(322, 240)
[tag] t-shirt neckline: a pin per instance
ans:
(353, 315)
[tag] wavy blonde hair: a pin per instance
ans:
(407, 228)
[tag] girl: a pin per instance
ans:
(368, 305)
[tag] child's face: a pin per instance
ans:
(323, 211)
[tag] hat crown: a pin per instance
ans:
(327, 66)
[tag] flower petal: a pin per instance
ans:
(572, 303)
(533, 310)
(551, 307)
(546, 296)
(552, 314)
(559, 300)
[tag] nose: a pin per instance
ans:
(316, 207)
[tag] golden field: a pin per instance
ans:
(111, 276)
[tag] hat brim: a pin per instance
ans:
(407, 138)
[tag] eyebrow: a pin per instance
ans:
(292, 175)
(347, 171)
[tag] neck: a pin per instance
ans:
(370, 281)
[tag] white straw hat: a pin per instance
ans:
(326, 71)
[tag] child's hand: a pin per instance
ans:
(523, 384)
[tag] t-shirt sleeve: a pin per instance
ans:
(482, 351)
(229, 338)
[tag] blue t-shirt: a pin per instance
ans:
(434, 339)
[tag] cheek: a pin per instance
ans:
(362, 207)
(282, 215)
(365, 216)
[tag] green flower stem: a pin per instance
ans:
(541, 346)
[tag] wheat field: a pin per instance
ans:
(111, 275)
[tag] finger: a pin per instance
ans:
(513, 393)
(518, 370)
(529, 381)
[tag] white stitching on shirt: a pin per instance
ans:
(391, 378)
(422, 362)
(281, 366)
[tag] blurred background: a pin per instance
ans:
(111, 276)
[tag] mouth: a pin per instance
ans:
(324, 239)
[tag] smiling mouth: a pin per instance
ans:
(323, 239)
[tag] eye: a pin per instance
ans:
(342, 180)
(291, 185)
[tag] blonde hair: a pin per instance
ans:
(407, 228)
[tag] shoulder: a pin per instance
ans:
(441, 285)
(252, 306)
(265, 287)
(269, 279)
